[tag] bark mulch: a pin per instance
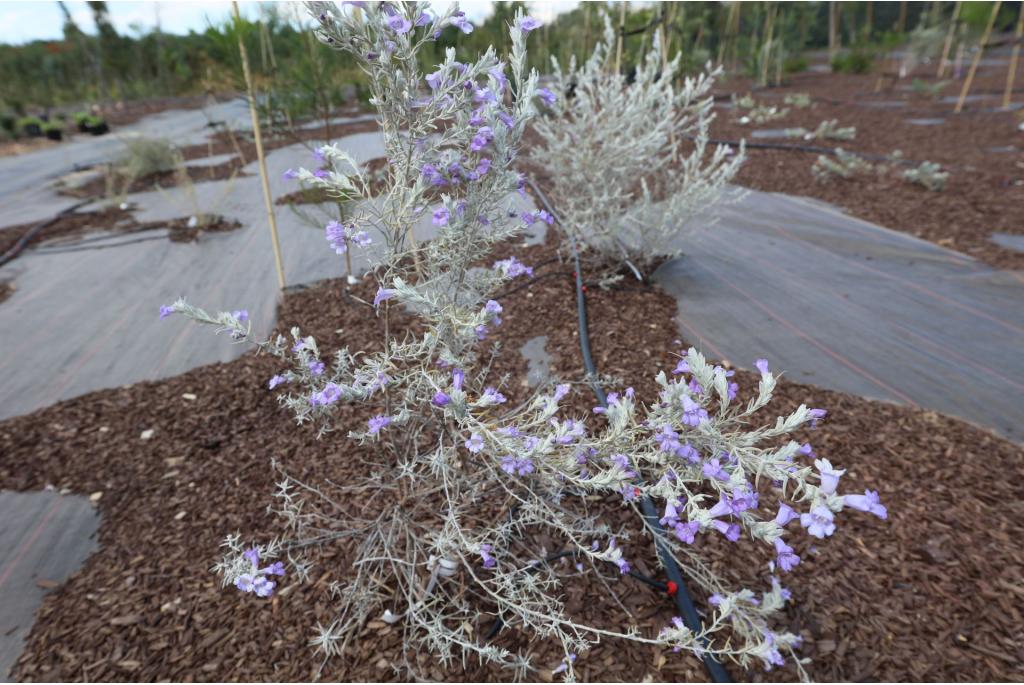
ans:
(933, 593)
(980, 148)
(97, 186)
(73, 225)
(6, 290)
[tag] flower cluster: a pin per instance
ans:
(449, 450)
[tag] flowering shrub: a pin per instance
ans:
(469, 488)
(622, 184)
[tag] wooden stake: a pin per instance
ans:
(833, 30)
(944, 61)
(622, 30)
(251, 93)
(901, 20)
(977, 57)
(1012, 73)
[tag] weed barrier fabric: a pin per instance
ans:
(847, 305)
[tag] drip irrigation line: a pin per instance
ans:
(684, 603)
(32, 232)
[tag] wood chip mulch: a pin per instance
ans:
(933, 593)
(981, 148)
(73, 225)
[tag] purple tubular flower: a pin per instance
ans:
(320, 173)
(275, 569)
(762, 366)
(547, 96)
(458, 377)
(383, 294)
(441, 216)
(329, 395)
(686, 451)
(785, 515)
(507, 119)
(460, 22)
(484, 135)
(723, 508)
(829, 476)
(784, 556)
(493, 396)
(497, 72)
(671, 517)
(244, 582)
(241, 314)
(561, 391)
(276, 381)
(253, 556)
(291, 174)
(868, 502)
(527, 24)
(686, 531)
(378, 422)
(263, 587)
(475, 444)
(316, 367)
(441, 399)
(816, 415)
(693, 413)
(483, 166)
(485, 554)
(681, 367)
(512, 267)
(818, 522)
(166, 311)
(399, 24)
(731, 531)
(335, 234)
(423, 19)
(713, 469)
(435, 79)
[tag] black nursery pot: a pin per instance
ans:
(33, 130)
(99, 129)
(55, 134)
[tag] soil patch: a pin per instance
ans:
(930, 594)
(6, 290)
(985, 189)
(73, 225)
(98, 186)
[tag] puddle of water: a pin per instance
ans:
(538, 361)
(925, 122)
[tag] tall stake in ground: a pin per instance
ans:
(1012, 73)
(944, 61)
(977, 57)
(250, 91)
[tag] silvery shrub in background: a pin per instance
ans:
(462, 501)
(614, 153)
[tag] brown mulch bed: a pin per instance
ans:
(224, 142)
(6, 290)
(73, 225)
(931, 594)
(162, 179)
(985, 190)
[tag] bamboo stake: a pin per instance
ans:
(250, 91)
(1012, 73)
(622, 30)
(977, 57)
(944, 61)
(833, 30)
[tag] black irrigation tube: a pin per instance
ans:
(32, 232)
(684, 603)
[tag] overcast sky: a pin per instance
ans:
(21, 22)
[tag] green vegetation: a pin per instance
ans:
(300, 78)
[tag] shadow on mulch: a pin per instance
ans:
(931, 594)
(74, 225)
